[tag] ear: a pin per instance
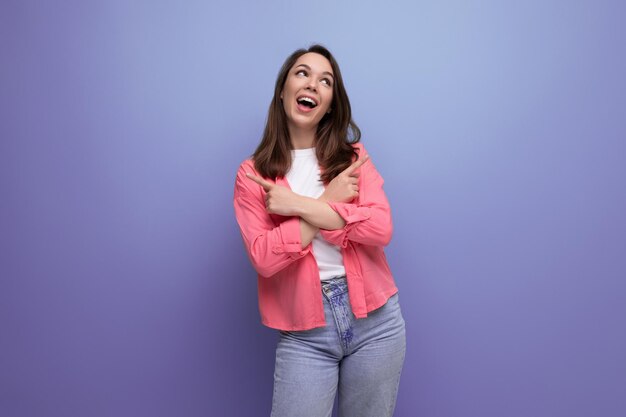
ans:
(329, 110)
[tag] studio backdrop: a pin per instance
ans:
(499, 128)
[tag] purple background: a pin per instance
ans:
(499, 128)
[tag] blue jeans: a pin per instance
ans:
(361, 358)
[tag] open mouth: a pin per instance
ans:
(307, 102)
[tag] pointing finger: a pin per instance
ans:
(356, 165)
(265, 184)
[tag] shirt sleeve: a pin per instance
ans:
(270, 248)
(367, 217)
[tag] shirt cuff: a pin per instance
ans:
(352, 214)
(291, 239)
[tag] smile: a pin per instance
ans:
(307, 102)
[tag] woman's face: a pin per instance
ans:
(308, 91)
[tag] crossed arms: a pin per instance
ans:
(353, 207)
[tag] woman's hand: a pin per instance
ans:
(345, 186)
(278, 199)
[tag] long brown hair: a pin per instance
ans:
(272, 157)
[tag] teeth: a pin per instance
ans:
(308, 100)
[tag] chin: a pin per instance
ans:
(304, 124)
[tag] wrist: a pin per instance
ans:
(302, 206)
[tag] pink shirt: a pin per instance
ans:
(289, 287)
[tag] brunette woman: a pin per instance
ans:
(314, 220)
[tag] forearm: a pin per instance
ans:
(319, 214)
(307, 232)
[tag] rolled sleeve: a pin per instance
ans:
(351, 214)
(291, 239)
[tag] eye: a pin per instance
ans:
(301, 72)
(327, 81)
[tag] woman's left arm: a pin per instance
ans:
(368, 218)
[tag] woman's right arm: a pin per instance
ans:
(270, 248)
(307, 232)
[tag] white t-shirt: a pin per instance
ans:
(304, 179)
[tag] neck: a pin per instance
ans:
(302, 138)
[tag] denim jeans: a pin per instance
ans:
(360, 358)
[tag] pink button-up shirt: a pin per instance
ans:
(289, 286)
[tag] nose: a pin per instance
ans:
(311, 84)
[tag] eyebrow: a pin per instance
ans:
(309, 68)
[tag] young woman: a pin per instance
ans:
(314, 220)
